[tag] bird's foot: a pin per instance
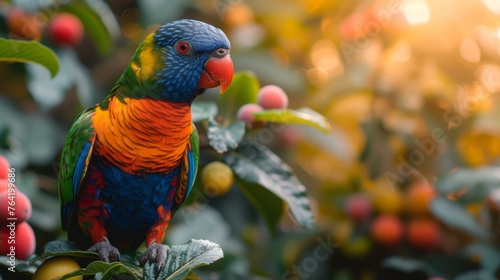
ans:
(156, 253)
(105, 250)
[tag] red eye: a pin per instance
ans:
(183, 47)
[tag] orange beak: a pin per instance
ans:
(218, 71)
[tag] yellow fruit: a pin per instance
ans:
(342, 231)
(388, 200)
(357, 247)
(56, 267)
(216, 178)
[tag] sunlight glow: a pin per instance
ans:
(324, 55)
(416, 11)
(401, 52)
(470, 51)
(493, 5)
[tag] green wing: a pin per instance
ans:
(74, 161)
(188, 170)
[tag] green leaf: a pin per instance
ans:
(256, 164)
(65, 248)
(243, 90)
(49, 93)
(267, 203)
(181, 259)
(489, 255)
(452, 214)
(476, 275)
(29, 52)
(409, 265)
(224, 138)
(192, 276)
(205, 222)
(203, 110)
(303, 116)
(4, 136)
(98, 21)
(470, 185)
(108, 271)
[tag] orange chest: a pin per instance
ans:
(143, 135)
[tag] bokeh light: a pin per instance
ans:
(416, 11)
(493, 5)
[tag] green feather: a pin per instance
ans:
(80, 134)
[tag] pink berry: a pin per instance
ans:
(245, 113)
(272, 97)
(66, 29)
(358, 208)
(25, 240)
(4, 168)
(20, 204)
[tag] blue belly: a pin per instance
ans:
(132, 202)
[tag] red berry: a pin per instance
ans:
(423, 234)
(17, 205)
(245, 113)
(387, 230)
(18, 240)
(4, 168)
(358, 207)
(272, 97)
(66, 29)
(4, 185)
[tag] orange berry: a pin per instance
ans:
(418, 197)
(423, 233)
(25, 25)
(387, 230)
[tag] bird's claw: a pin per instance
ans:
(156, 253)
(105, 250)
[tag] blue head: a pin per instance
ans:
(195, 56)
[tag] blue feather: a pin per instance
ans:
(191, 172)
(80, 166)
(181, 73)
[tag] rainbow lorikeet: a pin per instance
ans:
(130, 161)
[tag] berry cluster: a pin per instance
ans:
(15, 210)
(64, 29)
(393, 216)
(268, 97)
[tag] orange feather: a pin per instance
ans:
(139, 135)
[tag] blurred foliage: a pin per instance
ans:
(409, 87)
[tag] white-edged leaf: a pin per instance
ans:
(181, 259)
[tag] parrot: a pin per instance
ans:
(130, 161)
